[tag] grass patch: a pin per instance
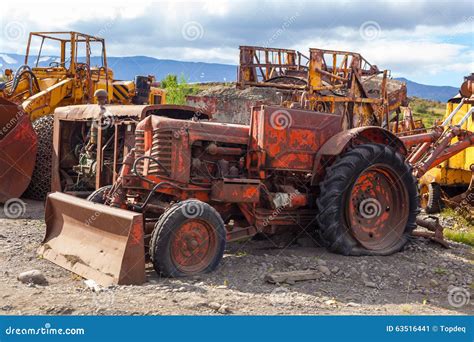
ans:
(462, 230)
(464, 237)
(439, 270)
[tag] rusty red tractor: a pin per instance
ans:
(190, 186)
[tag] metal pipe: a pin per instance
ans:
(443, 152)
(416, 156)
(450, 117)
(453, 150)
(465, 118)
(412, 140)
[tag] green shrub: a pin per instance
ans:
(177, 90)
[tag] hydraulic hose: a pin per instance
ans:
(22, 70)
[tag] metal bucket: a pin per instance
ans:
(94, 241)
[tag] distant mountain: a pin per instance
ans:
(429, 92)
(125, 68)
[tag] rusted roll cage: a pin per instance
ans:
(329, 81)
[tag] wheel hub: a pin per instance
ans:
(193, 246)
(377, 208)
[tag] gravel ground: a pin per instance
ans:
(423, 279)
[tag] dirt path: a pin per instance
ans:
(416, 281)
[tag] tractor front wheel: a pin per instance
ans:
(368, 202)
(431, 198)
(188, 239)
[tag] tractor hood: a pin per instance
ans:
(94, 111)
(197, 130)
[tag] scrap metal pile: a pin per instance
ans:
(174, 184)
(35, 90)
(338, 82)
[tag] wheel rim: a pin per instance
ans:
(378, 208)
(194, 246)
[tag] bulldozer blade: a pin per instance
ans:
(93, 240)
(18, 144)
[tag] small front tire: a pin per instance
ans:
(188, 239)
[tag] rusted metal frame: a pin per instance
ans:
(238, 233)
(447, 153)
(72, 65)
(299, 65)
(357, 81)
(334, 69)
(247, 210)
(79, 35)
(286, 217)
(170, 187)
(56, 155)
(28, 48)
(243, 191)
(419, 152)
(99, 156)
(345, 99)
(279, 60)
(63, 54)
(329, 87)
(270, 63)
(104, 63)
(222, 138)
(279, 65)
(259, 67)
(39, 52)
(453, 113)
(397, 122)
(115, 161)
(465, 117)
(103, 153)
(332, 75)
(266, 62)
(261, 48)
(343, 66)
(277, 85)
(444, 150)
(416, 139)
(89, 76)
(338, 52)
(384, 96)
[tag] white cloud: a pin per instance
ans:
(418, 39)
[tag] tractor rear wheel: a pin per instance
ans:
(40, 183)
(368, 203)
(189, 238)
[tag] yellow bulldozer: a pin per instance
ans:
(44, 83)
(451, 183)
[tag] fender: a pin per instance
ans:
(340, 142)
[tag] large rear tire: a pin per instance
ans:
(188, 239)
(368, 203)
(40, 183)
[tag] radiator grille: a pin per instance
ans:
(161, 150)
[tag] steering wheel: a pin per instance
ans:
(55, 64)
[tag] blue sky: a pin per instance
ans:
(429, 42)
